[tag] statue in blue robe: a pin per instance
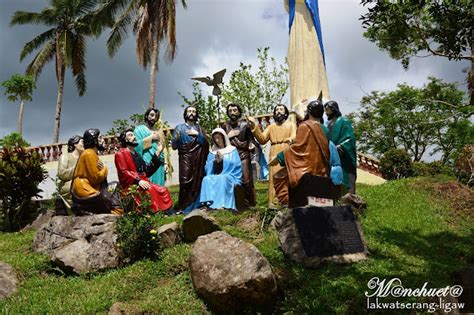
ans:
(223, 173)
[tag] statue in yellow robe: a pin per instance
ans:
(280, 134)
(89, 187)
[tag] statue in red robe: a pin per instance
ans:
(133, 170)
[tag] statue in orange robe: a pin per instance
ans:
(308, 154)
(281, 134)
(132, 169)
(89, 189)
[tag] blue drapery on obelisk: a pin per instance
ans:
(313, 7)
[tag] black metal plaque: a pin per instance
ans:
(328, 231)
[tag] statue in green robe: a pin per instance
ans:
(342, 134)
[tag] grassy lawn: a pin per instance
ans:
(410, 231)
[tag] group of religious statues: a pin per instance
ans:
(210, 174)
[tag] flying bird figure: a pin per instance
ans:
(214, 82)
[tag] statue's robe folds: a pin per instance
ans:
(192, 151)
(131, 168)
(242, 142)
(306, 64)
(342, 134)
(278, 135)
(218, 185)
(89, 186)
(147, 149)
(67, 164)
(308, 154)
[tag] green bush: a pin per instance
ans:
(395, 164)
(20, 174)
(420, 169)
(432, 168)
(137, 234)
(464, 165)
(14, 140)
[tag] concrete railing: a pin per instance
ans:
(52, 152)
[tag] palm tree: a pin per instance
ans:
(19, 87)
(70, 23)
(154, 21)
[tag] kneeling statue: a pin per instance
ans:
(89, 189)
(132, 169)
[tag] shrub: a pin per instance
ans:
(464, 165)
(20, 174)
(432, 168)
(420, 169)
(13, 140)
(137, 235)
(395, 164)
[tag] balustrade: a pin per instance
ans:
(53, 152)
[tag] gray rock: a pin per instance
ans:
(356, 202)
(8, 280)
(292, 247)
(42, 219)
(169, 234)
(198, 223)
(231, 275)
(80, 244)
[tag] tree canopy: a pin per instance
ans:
(414, 28)
(419, 120)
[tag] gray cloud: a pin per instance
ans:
(211, 35)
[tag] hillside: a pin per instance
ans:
(419, 230)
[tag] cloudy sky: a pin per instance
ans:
(211, 34)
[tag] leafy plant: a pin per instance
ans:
(14, 140)
(137, 235)
(395, 164)
(21, 172)
(258, 92)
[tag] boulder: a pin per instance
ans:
(43, 218)
(8, 280)
(230, 275)
(198, 223)
(80, 244)
(169, 234)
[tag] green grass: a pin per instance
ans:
(405, 226)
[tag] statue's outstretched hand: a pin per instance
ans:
(100, 165)
(251, 122)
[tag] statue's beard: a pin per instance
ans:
(234, 117)
(279, 118)
(151, 123)
(191, 117)
(331, 116)
(133, 143)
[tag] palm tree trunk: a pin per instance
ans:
(153, 66)
(20, 116)
(59, 102)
